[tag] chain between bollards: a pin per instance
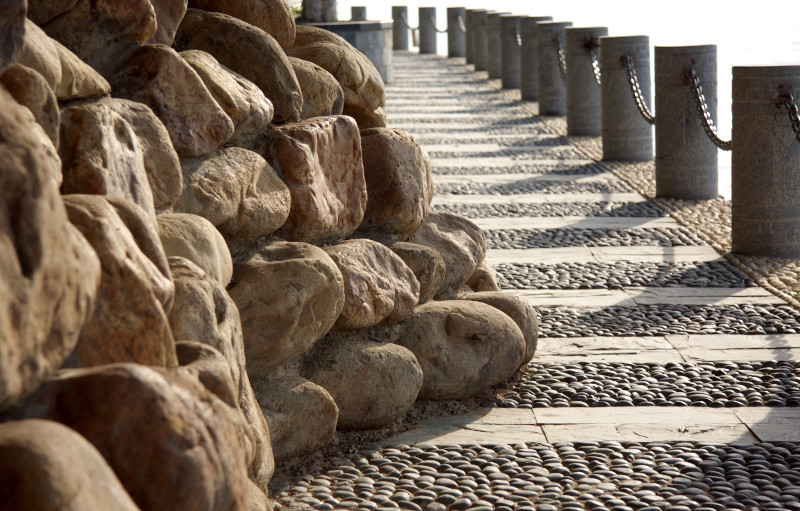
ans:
(433, 24)
(461, 25)
(791, 110)
(595, 65)
(518, 38)
(405, 22)
(562, 58)
(702, 110)
(627, 61)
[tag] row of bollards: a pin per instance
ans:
(602, 85)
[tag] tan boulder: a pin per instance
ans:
(207, 364)
(517, 309)
(364, 96)
(463, 347)
(166, 438)
(237, 191)
(238, 45)
(42, 11)
(49, 467)
(320, 161)
(158, 77)
(78, 80)
(373, 383)
(461, 244)
(101, 155)
(49, 274)
(301, 414)
(289, 295)
(322, 94)
(427, 265)
(196, 239)
(169, 14)
(399, 184)
(484, 278)
(129, 322)
(12, 31)
(248, 108)
(39, 53)
(257, 499)
(274, 17)
(96, 29)
(30, 89)
(378, 286)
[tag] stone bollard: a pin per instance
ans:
(511, 39)
(626, 135)
(583, 89)
(686, 159)
(358, 13)
(551, 72)
(469, 37)
(456, 25)
(427, 30)
(765, 163)
(400, 27)
(479, 40)
(494, 64)
(529, 86)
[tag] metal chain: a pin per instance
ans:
(518, 38)
(638, 97)
(562, 58)
(461, 25)
(702, 110)
(433, 24)
(405, 22)
(794, 116)
(595, 65)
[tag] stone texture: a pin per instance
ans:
(78, 80)
(114, 25)
(30, 89)
(399, 184)
(237, 45)
(129, 322)
(39, 53)
(12, 31)
(289, 295)
(272, 16)
(517, 309)
(158, 77)
(248, 108)
(484, 278)
(101, 155)
(427, 265)
(196, 239)
(42, 11)
(463, 347)
(373, 383)
(45, 466)
(322, 94)
(301, 414)
(48, 272)
(237, 191)
(207, 364)
(364, 95)
(378, 286)
(461, 244)
(320, 161)
(169, 14)
(161, 432)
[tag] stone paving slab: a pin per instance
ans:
(468, 150)
(502, 179)
(602, 255)
(537, 198)
(506, 161)
(538, 222)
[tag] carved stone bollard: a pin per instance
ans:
(686, 159)
(400, 28)
(511, 39)
(626, 135)
(765, 162)
(529, 61)
(427, 30)
(479, 41)
(552, 81)
(358, 13)
(583, 89)
(494, 64)
(456, 38)
(469, 37)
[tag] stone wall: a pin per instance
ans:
(214, 254)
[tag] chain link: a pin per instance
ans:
(461, 25)
(562, 58)
(638, 97)
(518, 38)
(702, 110)
(595, 65)
(405, 22)
(433, 24)
(794, 116)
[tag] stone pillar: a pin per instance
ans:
(686, 159)
(494, 63)
(529, 86)
(552, 83)
(626, 135)
(479, 40)
(511, 39)
(469, 37)
(319, 11)
(765, 163)
(358, 13)
(427, 30)
(456, 40)
(400, 28)
(583, 91)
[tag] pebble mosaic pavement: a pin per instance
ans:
(688, 401)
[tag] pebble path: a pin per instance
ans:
(665, 378)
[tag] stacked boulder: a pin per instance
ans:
(215, 254)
